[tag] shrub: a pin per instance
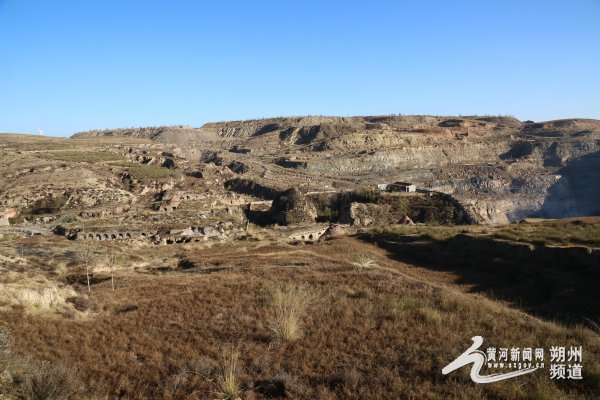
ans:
(5, 340)
(228, 382)
(47, 205)
(33, 380)
(61, 270)
(289, 307)
(364, 262)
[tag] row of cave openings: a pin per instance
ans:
(108, 236)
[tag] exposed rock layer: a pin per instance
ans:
(499, 168)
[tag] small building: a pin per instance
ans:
(5, 214)
(382, 186)
(401, 187)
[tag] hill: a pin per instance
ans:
(267, 263)
(499, 168)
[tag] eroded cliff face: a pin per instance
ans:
(499, 168)
(576, 192)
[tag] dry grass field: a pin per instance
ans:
(340, 319)
(153, 265)
(572, 231)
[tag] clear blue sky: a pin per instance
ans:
(74, 65)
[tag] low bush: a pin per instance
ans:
(228, 382)
(289, 307)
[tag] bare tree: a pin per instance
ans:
(86, 255)
(112, 261)
(23, 251)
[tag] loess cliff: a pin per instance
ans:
(499, 168)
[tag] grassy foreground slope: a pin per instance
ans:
(341, 319)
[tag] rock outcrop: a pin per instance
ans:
(365, 214)
(292, 207)
(333, 231)
(499, 168)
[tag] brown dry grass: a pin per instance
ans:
(568, 232)
(34, 380)
(372, 334)
(228, 383)
(584, 231)
(289, 307)
(89, 157)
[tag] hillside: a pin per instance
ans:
(167, 134)
(265, 263)
(499, 168)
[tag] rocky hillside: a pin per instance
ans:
(166, 134)
(499, 168)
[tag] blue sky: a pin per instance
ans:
(69, 65)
